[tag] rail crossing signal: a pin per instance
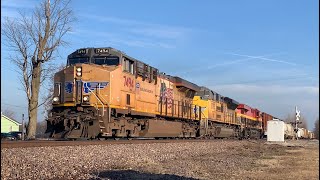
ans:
(297, 121)
(297, 114)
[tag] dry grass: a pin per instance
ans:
(298, 163)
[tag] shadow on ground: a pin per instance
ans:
(130, 174)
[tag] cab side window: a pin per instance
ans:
(127, 65)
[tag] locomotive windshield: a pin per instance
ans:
(78, 60)
(108, 60)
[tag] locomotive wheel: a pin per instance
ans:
(128, 135)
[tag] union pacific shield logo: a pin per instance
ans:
(68, 87)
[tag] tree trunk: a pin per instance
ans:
(33, 103)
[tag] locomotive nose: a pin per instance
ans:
(64, 85)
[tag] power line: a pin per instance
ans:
(17, 106)
(13, 105)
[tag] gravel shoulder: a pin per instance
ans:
(220, 159)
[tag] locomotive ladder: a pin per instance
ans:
(101, 116)
(205, 123)
(101, 120)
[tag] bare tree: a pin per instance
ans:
(34, 41)
(316, 129)
(9, 113)
(292, 118)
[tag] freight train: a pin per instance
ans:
(104, 93)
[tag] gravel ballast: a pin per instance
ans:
(188, 160)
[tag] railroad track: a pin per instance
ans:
(47, 143)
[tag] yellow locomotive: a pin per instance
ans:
(218, 112)
(105, 93)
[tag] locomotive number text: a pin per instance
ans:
(102, 51)
(82, 51)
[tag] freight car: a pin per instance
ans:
(104, 93)
(311, 135)
(303, 133)
(289, 131)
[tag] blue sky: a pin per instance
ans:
(262, 53)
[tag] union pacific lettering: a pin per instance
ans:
(146, 90)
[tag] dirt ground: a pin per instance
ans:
(290, 160)
(261, 160)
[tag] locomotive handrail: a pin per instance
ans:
(102, 96)
(206, 120)
(204, 115)
(96, 97)
(109, 111)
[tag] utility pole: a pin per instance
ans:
(22, 127)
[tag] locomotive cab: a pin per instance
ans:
(74, 86)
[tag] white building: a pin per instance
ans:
(276, 130)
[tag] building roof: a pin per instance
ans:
(12, 120)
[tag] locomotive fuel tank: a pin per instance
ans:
(224, 132)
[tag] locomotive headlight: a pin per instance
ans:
(85, 98)
(79, 69)
(55, 99)
(78, 73)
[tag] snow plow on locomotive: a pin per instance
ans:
(104, 93)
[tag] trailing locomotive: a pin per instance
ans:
(104, 93)
(251, 121)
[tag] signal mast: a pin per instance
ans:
(297, 122)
